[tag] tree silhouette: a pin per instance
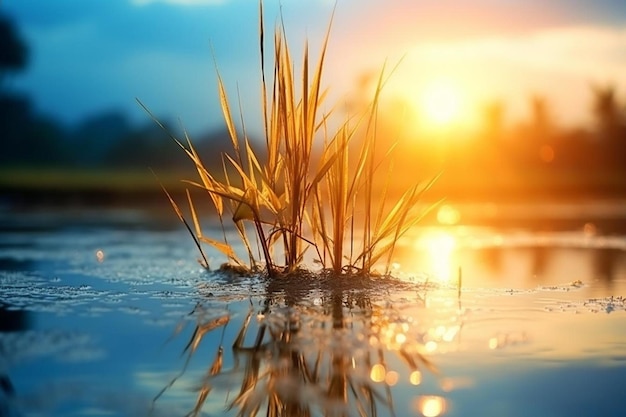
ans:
(541, 117)
(607, 111)
(611, 125)
(493, 118)
(13, 50)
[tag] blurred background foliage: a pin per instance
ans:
(533, 153)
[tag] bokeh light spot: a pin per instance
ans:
(391, 378)
(415, 378)
(431, 405)
(378, 373)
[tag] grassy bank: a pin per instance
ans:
(142, 183)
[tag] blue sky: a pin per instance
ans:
(95, 55)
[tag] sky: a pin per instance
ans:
(91, 56)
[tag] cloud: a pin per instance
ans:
(105, 52)
(580, 50)
(559, 63)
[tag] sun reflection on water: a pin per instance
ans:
(439, 247)
(378, 373)
(415, 378)
(431, 405)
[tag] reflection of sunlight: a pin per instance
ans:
(431, 405)
(447, 334)
(378, 373)
(391, 378)
(431, 346)
(493, 343)
(415, 378)
(439, 248)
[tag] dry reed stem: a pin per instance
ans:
(294, 200)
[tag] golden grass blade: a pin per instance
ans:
(263, 81)
(286, 197)
(202, 396)
(204, 261)
(244, 211)
(308, 126)
(207, 179)
(194, 216)
(228, 119)
(241, 335)
(334, 155)
(218, 362)
(315, 96)
(224, 248)
(202, 330)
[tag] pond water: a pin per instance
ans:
(107, 312)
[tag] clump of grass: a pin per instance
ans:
(292, 200)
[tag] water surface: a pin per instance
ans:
(107, 312)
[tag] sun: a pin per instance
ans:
(439, 103)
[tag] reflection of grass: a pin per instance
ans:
(300, 358)
(294, 200)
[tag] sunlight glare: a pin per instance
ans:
(440, 102)
(431, 405)
(448, 215)
(440, 247)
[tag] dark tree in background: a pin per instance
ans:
(13, 50)
(14, 109)
(610, 124)
(606, 109)
(28, 139)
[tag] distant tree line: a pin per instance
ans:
(110, 140)
(539, 143)
(534, 145)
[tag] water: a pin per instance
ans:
(106, 312)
